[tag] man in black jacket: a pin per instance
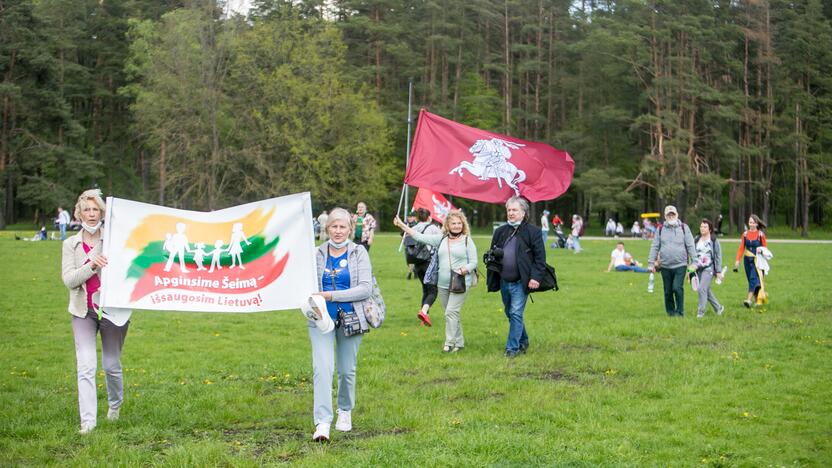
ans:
(520, 264)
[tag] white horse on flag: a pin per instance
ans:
(491, 162)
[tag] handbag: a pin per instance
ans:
(374, 308)
(457, 285)
(549, 280)
(432, 272)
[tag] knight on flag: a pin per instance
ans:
(456, 159)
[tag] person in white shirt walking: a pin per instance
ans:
(544, 227)
(63, 221)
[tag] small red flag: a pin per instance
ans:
(453, 158)
(436, 203)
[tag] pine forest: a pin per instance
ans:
(719, 107)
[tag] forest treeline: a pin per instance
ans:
(719, 106)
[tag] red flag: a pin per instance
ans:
(453, 158)
(436, 203)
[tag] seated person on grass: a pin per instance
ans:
(623, 261)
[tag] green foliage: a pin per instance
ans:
(479, 105)
(605, 192)
(707, 104)
(307, 128)
(270, 110)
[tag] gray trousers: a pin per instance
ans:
(112, 340)
(706, 276)
(346, 357)
(452, 303)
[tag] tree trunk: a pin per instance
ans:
(162, 172)
(507, 74)
(538, 72)
(804, 232)
(797, 167)
(377, 47)
(458, 74)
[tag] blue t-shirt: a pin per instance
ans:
(337, 272)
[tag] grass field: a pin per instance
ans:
(608, 380)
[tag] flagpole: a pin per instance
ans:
(405, 192)
(409, 126)
(405, 187)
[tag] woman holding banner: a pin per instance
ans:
(345, 279)
(456, 255)
(81, 266)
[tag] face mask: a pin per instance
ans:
(672, 223)
(338, 245)
(514, 223)
(91, 229)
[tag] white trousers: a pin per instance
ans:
(84, 330)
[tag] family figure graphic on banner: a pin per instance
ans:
(177, 245)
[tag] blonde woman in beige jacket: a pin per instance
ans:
(81, 265)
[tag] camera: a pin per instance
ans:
(493, 258)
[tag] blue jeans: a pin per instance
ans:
(545, 234)
(634, 268)
(62, 227)
(576, 242)
(514, 303)
(323, 366)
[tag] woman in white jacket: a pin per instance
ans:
(81, 266)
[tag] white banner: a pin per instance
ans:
(249, 258)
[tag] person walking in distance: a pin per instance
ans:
(674, 250)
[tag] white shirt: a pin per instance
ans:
(544, 223)
(618, 257)
(576, 228)
(63, 218)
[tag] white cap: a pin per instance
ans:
(325, 323)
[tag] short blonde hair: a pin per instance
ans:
(455, 214)
(340, 214)
(91, 195)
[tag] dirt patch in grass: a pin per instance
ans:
(579, 347)
(440, 381)
(554, 375)
(370, 433)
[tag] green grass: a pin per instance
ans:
(609, 379)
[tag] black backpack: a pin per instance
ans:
(416, 252)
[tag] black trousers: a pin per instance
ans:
(428, 290)
(674, 290)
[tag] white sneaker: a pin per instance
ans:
(86, 428)
(721, 310)
(321, 433)
(112, 414)
(344, 421)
